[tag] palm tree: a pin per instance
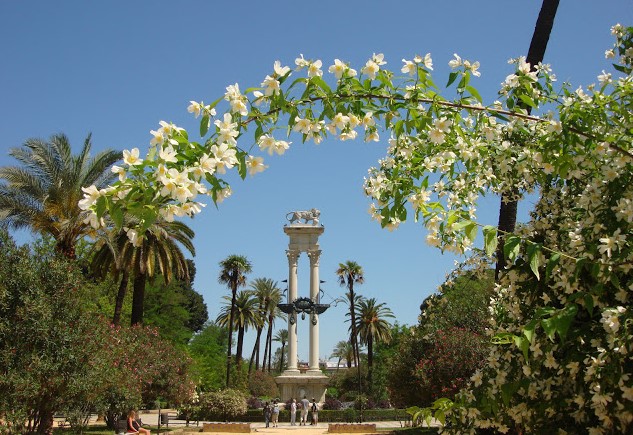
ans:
(158, 253)
(536, 54)
(373, 327)
(43, 193)
(343, 350)
(273, 313)
(233, 271)
(267, 293)
(281, 337)
(244, 316)
(350, 273)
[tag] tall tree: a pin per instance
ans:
(43, 193)
(233, 271)
(267, 293)
(350, 273)
(373, 327)
(157, 253)
(343, 350)
(244, 316)
(273, 313)
(281, 337)
(536, 54)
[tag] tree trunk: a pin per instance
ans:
(370, 360)
(281, 362)
(240, 344)
(255, 353)
(268, 344)
(138, 298)
(118, 305)
(228, 352)
(536, 53)
(352, 311)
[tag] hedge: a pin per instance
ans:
(349, 415)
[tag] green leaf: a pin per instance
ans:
(490, 239)
(117, 216)
(507, 391)
(522, 343)
(204, 125)
(471, 231)
(451, 78)
(534, 257)
(511, 247)
(474, 93)
(528, 331)
(321, 84)
(215, 103)
(241, 167)
(549, 326)
(101, 206)
(551, 264)
(564, 318)
(527, 100)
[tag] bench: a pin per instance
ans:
(121, 428)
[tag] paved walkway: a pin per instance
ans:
(151, 418)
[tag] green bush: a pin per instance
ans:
(223, 405)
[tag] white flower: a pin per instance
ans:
(443, 124)
(280, 70)
(120, 171)
(281, 146)
(302, 125)
(134, 238)
(604, 78)
(436, 136)
(371, 68)
(271, 86)
(409, 67)
(157, 137)
(131, 157)
(195, 108)
(338, 69)
(455, 63)
(225, 156)
(255, 165)
(91, 194)
(168, 154)
(266, 143)
(473, 67)
(301, 62)
(314, 69)
(608, 244)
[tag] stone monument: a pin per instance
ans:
(304, 231)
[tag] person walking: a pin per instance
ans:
(315, 412)
(293, 413)
(275, 414)
(267, 413)
(304, 411)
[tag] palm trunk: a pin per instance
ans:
(268, 344)
(118, 305)
(240, 344)
(370, 359)
(138, 299)
(255, 353)
(281, 363)
(352, 310)
(228, 352)
(536, 53)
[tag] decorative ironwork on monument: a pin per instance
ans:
(304, 306)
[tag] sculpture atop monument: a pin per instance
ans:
(305, 215)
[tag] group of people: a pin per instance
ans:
(271, 412)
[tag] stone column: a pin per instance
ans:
(314, 318)
(293, 256)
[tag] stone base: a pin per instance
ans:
(295, 385)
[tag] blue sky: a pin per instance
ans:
(117, 68)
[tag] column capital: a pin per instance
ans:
(293, 256)
(314, 256)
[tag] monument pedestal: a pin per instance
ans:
(296, 385)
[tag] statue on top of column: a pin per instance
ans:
(305, 216)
